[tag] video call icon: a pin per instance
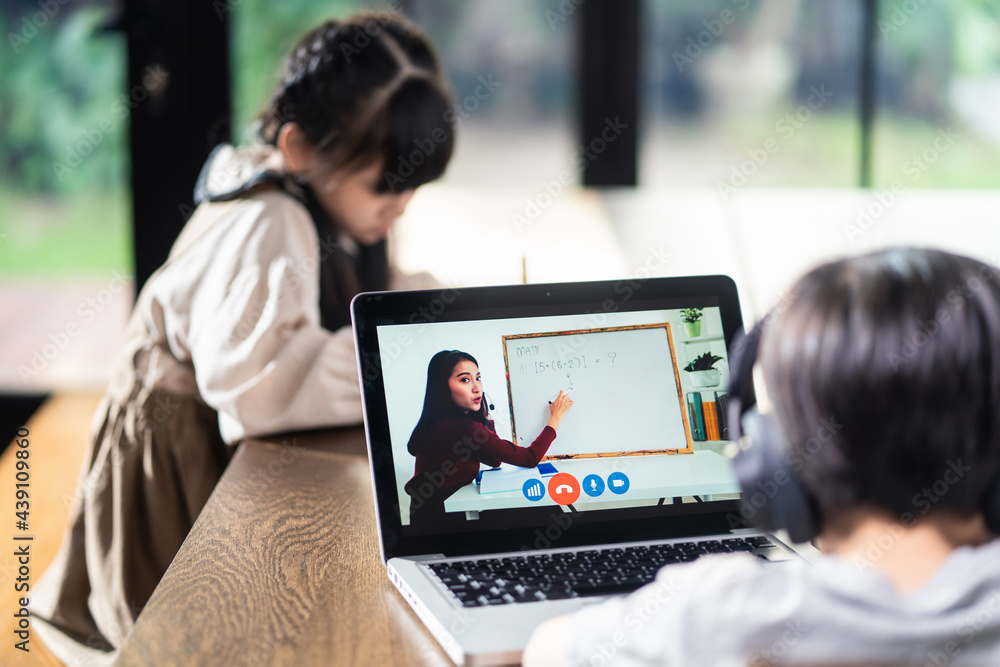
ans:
(533, 489)
(618, 483)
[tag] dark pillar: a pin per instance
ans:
(609, 88)
(179, 94)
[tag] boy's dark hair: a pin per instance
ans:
(884, 371)
(438, 403)
(363, 89)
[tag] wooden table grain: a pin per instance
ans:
(282, 567)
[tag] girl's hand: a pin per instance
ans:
(559, 408)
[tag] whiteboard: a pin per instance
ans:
(625, 386)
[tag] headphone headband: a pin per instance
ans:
(743, 358)
(772, 496)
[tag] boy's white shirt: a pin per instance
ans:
(238, 311)
(732, 610)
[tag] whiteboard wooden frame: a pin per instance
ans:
(638, 452)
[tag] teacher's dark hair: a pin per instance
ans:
(367, 89)
(884, 371)
(438, 403)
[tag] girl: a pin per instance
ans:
(455, 434)
(244, 330)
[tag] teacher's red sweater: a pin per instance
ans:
(449, 458)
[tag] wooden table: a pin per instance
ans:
(282, 567)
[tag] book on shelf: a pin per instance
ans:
(711, 420)
(722, 413)
(697, 415)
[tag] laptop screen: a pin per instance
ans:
(461, 387)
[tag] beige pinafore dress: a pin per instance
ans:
(155, 455)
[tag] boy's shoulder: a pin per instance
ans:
(734, 609)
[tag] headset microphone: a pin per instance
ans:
(488, 401)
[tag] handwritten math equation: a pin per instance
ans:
(576, 363)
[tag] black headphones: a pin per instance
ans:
(773, 497)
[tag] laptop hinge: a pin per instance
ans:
(425, 557)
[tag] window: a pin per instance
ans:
(939, 90)
(65, 242)
(750, 93)
(511, 66)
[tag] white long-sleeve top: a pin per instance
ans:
(233, 317)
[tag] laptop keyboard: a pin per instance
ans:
(557, 576)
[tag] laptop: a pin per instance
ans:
(482, 544)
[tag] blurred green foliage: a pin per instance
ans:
(63, 237)
(63, 142)
(64, 129)
(59, 82)
(57, 88)
(63, 135)
(263, 33)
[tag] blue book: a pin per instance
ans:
(546, 469)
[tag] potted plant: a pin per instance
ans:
(703, 372)
(691, 317)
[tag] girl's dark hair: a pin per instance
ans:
(884, 371)
(364, 89)
(438, 403)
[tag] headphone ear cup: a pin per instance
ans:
(773, 498)
(990, 506)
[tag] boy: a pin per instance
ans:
(901, 350)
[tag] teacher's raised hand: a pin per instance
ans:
(559, 407)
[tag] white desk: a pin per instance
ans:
(650, 477)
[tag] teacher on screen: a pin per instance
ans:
(455, 434)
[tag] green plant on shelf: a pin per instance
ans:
(703, 362)
(691, 315)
